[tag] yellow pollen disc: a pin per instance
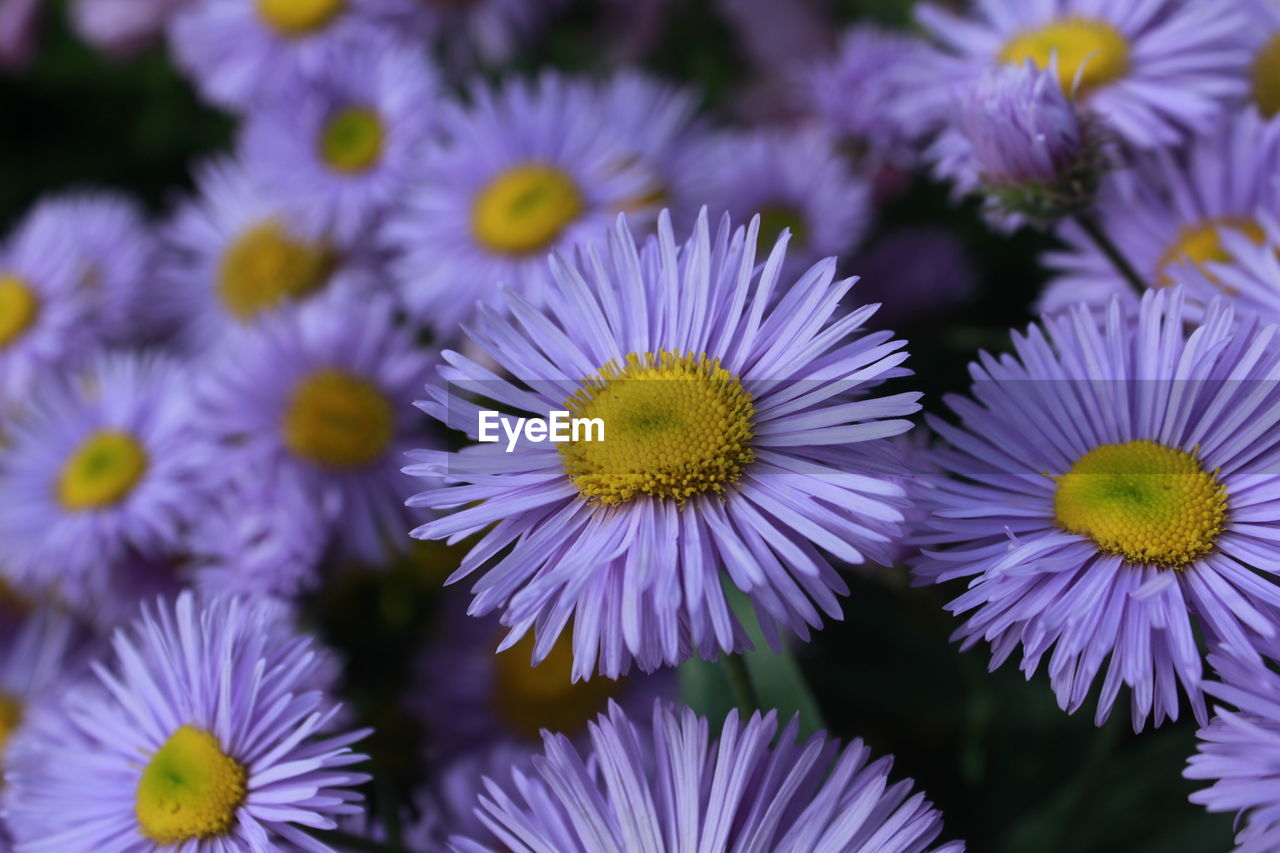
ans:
(529, 699)
(266, 267)
(19, 308)
(1086, 43)
(189, 790)
(338, 419)
(102, 471)
(298, 17)
(525, 209)
(1201, 244)
(1266, 78)
(1149, 503)
(352, 140)
(10, 718)
(776, 217)
(674, 427)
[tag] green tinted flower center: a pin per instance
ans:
(1266, 77)
(774, 218)
(266, 267)
(10, 718)
(1149, 503)
(352, 140)
(1091, 48)
(525, 209)
(19, 308)
(102, 471)
(675, 426)
(338, 420)
(189, 790)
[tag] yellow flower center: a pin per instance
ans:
(526, 208)
(189, 790)
(19, 308)
(776, 217)
(352, 140)
(1079, 43)
(299, 17)
(531, 698)
(338, 420)
(10, 718)
(1201, 244)
(1266, 77)
(1148, 503)
(675, 426)
(266, 267)
(102, 471)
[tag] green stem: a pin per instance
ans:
(744, 692)
(1104, 243)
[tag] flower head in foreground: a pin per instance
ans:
(1019, 140)
(336, 152)
(97, 473)
(1114, 493)
(673, 788)
(1153, 71)
(320, 398)
(1173, 209)
(238, 254)
(738, 436)
(799, 181)
(1239, 751)
(206, 733)
(523, 170)
(238, 52)
(874, 96)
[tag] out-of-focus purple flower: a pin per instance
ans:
(337, 152)
(19, 32)
(472, 32)
(915, 272)
(1016, 138)
(1153, 72)
(795, 179)
(873, 95)
(1113, 494)
(1263, 37)
(122, 28)
(633, 540)
(1248, 269)
(673, 788)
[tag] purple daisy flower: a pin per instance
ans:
(633, 540)
(1112, 495)
(1016, 138)
(471, 698)
(238, 52)
(45, 321)
(237, 254)
(338, 152)
(96, 474)
(41, 654)
(1248, 269)
(259, 541)
(524, 169)
(207, 732)
(1153, 71)
(487, 32)
(113, 251)
(874, 96)
(1173, 208)
(674, 788)
(1239, 749)
(799, 181)
(321, 396)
